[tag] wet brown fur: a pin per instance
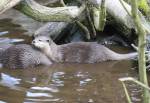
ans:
(22, 56)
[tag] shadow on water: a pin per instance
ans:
(63, 83)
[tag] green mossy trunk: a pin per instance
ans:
(141, 45)
(144, 7)
(43, 13)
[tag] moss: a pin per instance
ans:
(39, 16)
(143, 6)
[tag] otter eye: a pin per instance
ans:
(47, 40)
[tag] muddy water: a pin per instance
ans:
(64, 83)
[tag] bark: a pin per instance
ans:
(43, 13)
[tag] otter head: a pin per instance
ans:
(42, 42)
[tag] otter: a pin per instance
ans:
(4, 46)
(78, 52)
(22, 56)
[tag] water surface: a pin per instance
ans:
(66, 83)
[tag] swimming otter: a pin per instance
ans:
(22, 56)
(4, 46)
(79, 52)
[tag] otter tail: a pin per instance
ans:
(125, 56)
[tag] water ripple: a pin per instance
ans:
(54, 90)
(30, 94)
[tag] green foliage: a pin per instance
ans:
(143, 6)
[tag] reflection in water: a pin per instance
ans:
(2, 101)
(135, 92)
(67, 83)
(12, 33)
(3, 33)
(8, 80)
(8, 40)
(30, 94)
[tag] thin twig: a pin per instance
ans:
(135, 47)
(85, 29)
(126, 92)
(135, 81)
(90, 21)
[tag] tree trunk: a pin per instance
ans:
(141, 45)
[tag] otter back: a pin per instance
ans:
(90, 52)
(3, 47)
(22, 56)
